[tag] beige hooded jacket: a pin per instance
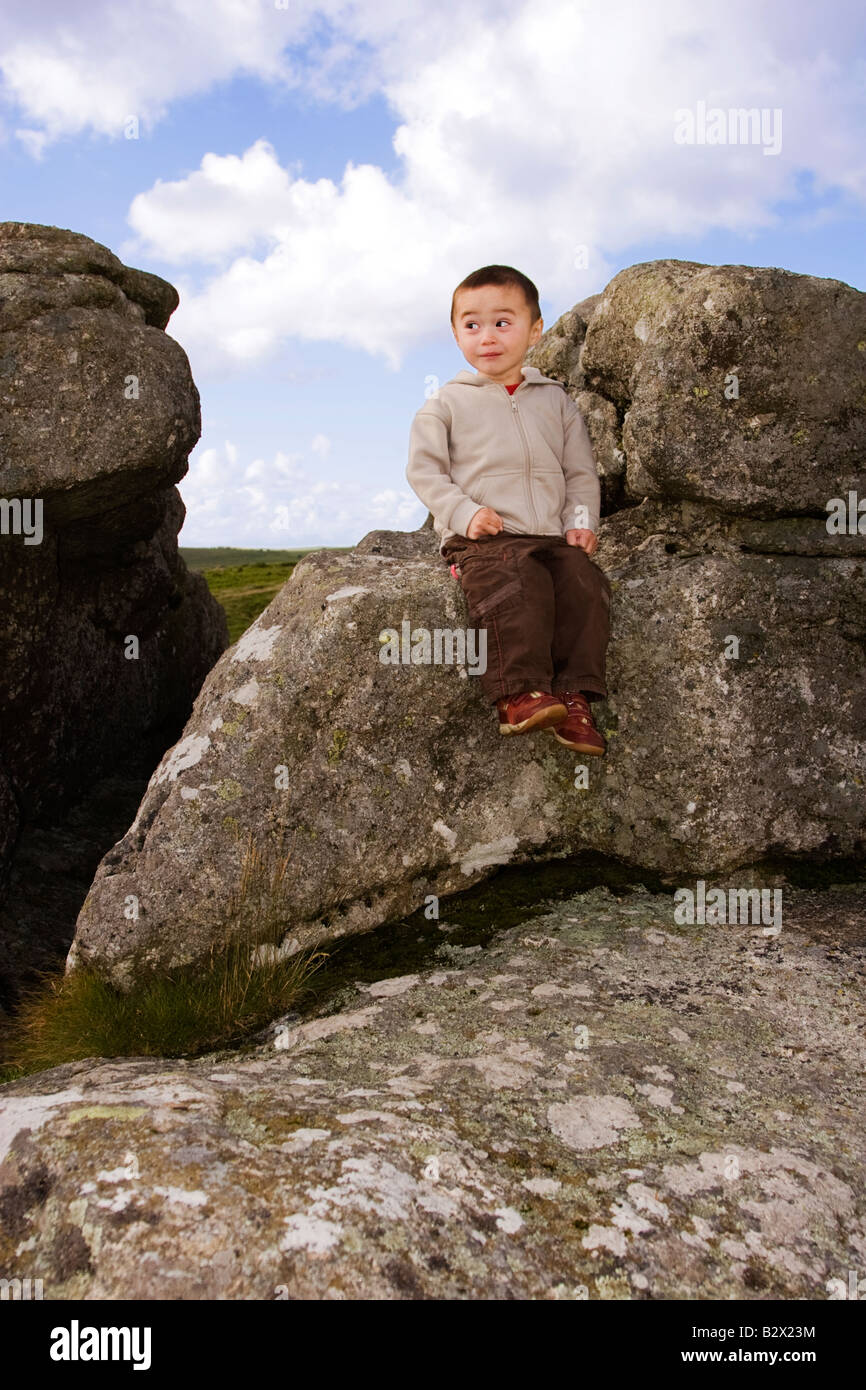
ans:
(527, 455)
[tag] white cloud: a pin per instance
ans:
(72, 68)
(278, 503)
(523, 133)
(237, 200)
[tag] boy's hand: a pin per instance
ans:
(587, 540)
(485, 522)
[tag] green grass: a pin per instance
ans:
(245, 591)
(244, 581)
(184, 1012)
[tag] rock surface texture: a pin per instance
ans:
(105, 636)
(601, 1104)
(737, 706)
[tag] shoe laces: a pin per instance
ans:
(573, 698)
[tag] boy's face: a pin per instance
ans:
(493, 330)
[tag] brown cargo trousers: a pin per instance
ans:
(545, 607)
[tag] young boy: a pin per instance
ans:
(502, 458)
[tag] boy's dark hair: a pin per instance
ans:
(500, 275)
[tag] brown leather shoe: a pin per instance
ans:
(534, 709)
(578, 731)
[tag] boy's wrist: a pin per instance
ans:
(462, 515)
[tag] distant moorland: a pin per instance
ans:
(244, 581)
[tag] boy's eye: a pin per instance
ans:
(473, 323)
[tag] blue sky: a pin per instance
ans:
(315, 179)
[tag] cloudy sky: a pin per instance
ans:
(315, 178)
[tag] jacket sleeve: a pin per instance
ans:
(582, 486)
(429, 471)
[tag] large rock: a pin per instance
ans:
(602, 1104)
(98, 413)
(99, 407)
(736, 720)
(387, 783)
(558, 355)
(737, 385)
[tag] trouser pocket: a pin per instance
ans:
(492, 584)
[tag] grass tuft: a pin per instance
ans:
(242, 986)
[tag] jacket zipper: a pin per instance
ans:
(515, 415)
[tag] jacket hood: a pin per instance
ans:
(531, 375)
